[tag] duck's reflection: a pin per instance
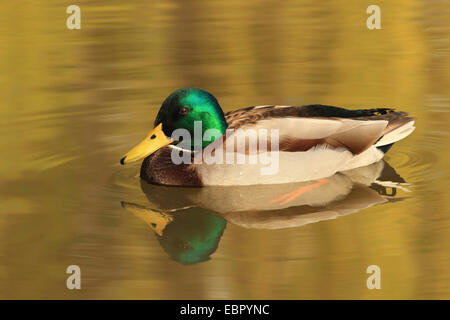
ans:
(188, 235)
(189, 222)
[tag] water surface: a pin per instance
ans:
(73, 102)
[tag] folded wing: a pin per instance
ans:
(301, 128)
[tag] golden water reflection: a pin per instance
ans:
(189, 222)
(73, 101)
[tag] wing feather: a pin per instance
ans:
(304, 127)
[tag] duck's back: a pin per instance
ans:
(304, 127)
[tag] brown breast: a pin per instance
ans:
(158, 168)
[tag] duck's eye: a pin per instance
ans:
(183, 111)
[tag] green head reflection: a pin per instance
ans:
(189, 236)
(192, 236)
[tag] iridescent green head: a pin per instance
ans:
(193, 111)
(188, 107)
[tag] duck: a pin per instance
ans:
(194, 143)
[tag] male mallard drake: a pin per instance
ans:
(306, 142)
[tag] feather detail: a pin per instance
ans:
(303, 127)
(313, 142)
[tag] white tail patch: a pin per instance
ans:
(396, 134)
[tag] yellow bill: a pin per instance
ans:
(156, 220)
(154, 141)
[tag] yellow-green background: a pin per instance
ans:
(73, 101)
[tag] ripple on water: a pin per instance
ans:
(125, 179)
(418, 164)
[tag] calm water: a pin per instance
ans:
(72, 102)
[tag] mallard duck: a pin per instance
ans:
(310, 142)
